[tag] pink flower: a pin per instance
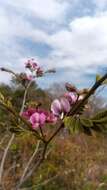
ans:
(39, 117)
(71, 97)
(27, 114)
(31, 64)
(60, 106)
(37, 120)
(51, 118)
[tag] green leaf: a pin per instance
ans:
(9, 104)
(14, 147)
(77, 126)
(15, 130)
(1, 96)
(86, 122)
(100, 115)
(101, 121)
(73, 124)
(87, 126)
(69, 123)
(99, 128)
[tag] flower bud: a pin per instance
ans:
(70, 87)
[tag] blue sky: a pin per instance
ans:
(69, 35)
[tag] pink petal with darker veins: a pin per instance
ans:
(34, 118)
(72, 97)
(65, 105)
(56, 107)
(42, 118)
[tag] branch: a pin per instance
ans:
(55, 133)
(8, 71)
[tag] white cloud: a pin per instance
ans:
(80, 45)
(43, 9)
(83, 44)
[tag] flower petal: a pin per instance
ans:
(71, 97)
(65, 105)
(51, 118)
(56, 107)
(42, 118)
(35, 118)
(35, 126)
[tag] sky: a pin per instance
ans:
(68, 35)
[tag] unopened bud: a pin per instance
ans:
(70, 87)
(39, 72)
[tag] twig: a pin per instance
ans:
(2, 140)
(24, 98)
(8, 71)
(55, 133)
(4, 157)
(29, 163)
(35, 167)
(42, 133)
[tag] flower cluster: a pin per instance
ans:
(34, 68)
(61, 106)
(38, 117)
